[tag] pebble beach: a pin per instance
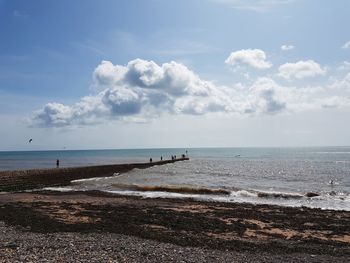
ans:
(95, 227)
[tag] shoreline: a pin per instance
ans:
(83, 225)
(233, 227)
(211, 195)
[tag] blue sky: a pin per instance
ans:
(51, 55)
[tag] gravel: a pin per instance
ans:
(20, 245)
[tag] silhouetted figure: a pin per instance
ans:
(30, 140)
(186, 153)
(57, 163)
(150, 160)
(161, 158)
(174, 157)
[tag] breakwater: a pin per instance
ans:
(20, 180)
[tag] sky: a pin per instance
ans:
(159, 73)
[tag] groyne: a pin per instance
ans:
(20, 180)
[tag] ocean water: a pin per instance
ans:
(18, 160)
(281, 176)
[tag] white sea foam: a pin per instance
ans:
(61, 189)
(318, 202)
(93, 179)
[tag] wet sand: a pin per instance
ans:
(132, 229)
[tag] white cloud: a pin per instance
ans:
(254, 5)
(19, 14)
(141, 88)
(264, 97)
(301, 69)
(255, 58)
(89, 110)
(342, 84)
(144, 90)
(335, 102)
(287, 47)
(346, 45)
(344, 66)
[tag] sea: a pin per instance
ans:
(277, 176)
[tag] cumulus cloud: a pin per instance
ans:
(264, 97)
(301, 69)
(287, 47)
(255, 58)
(140, 88)
(143, 90)
(346, 45)
(89, 110)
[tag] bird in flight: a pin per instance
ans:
(30, 140)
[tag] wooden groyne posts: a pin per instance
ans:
(38, 178)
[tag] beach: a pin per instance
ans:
(100, 227)
(183, 210)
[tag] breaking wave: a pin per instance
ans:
(271, 195)
(172, 189)
(211, 191)
(280, 195)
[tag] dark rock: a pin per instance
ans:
(311, 194)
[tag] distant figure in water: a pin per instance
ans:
(161, 158)
(30, 140)
(57, 163)
(186, 153)
(150, 160)
(331, 182)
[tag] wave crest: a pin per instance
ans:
(172, 189)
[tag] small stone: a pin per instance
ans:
(11, 245)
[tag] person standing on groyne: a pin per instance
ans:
(57, 163)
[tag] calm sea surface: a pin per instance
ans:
(258, 175)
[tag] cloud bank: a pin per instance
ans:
(143, 90)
